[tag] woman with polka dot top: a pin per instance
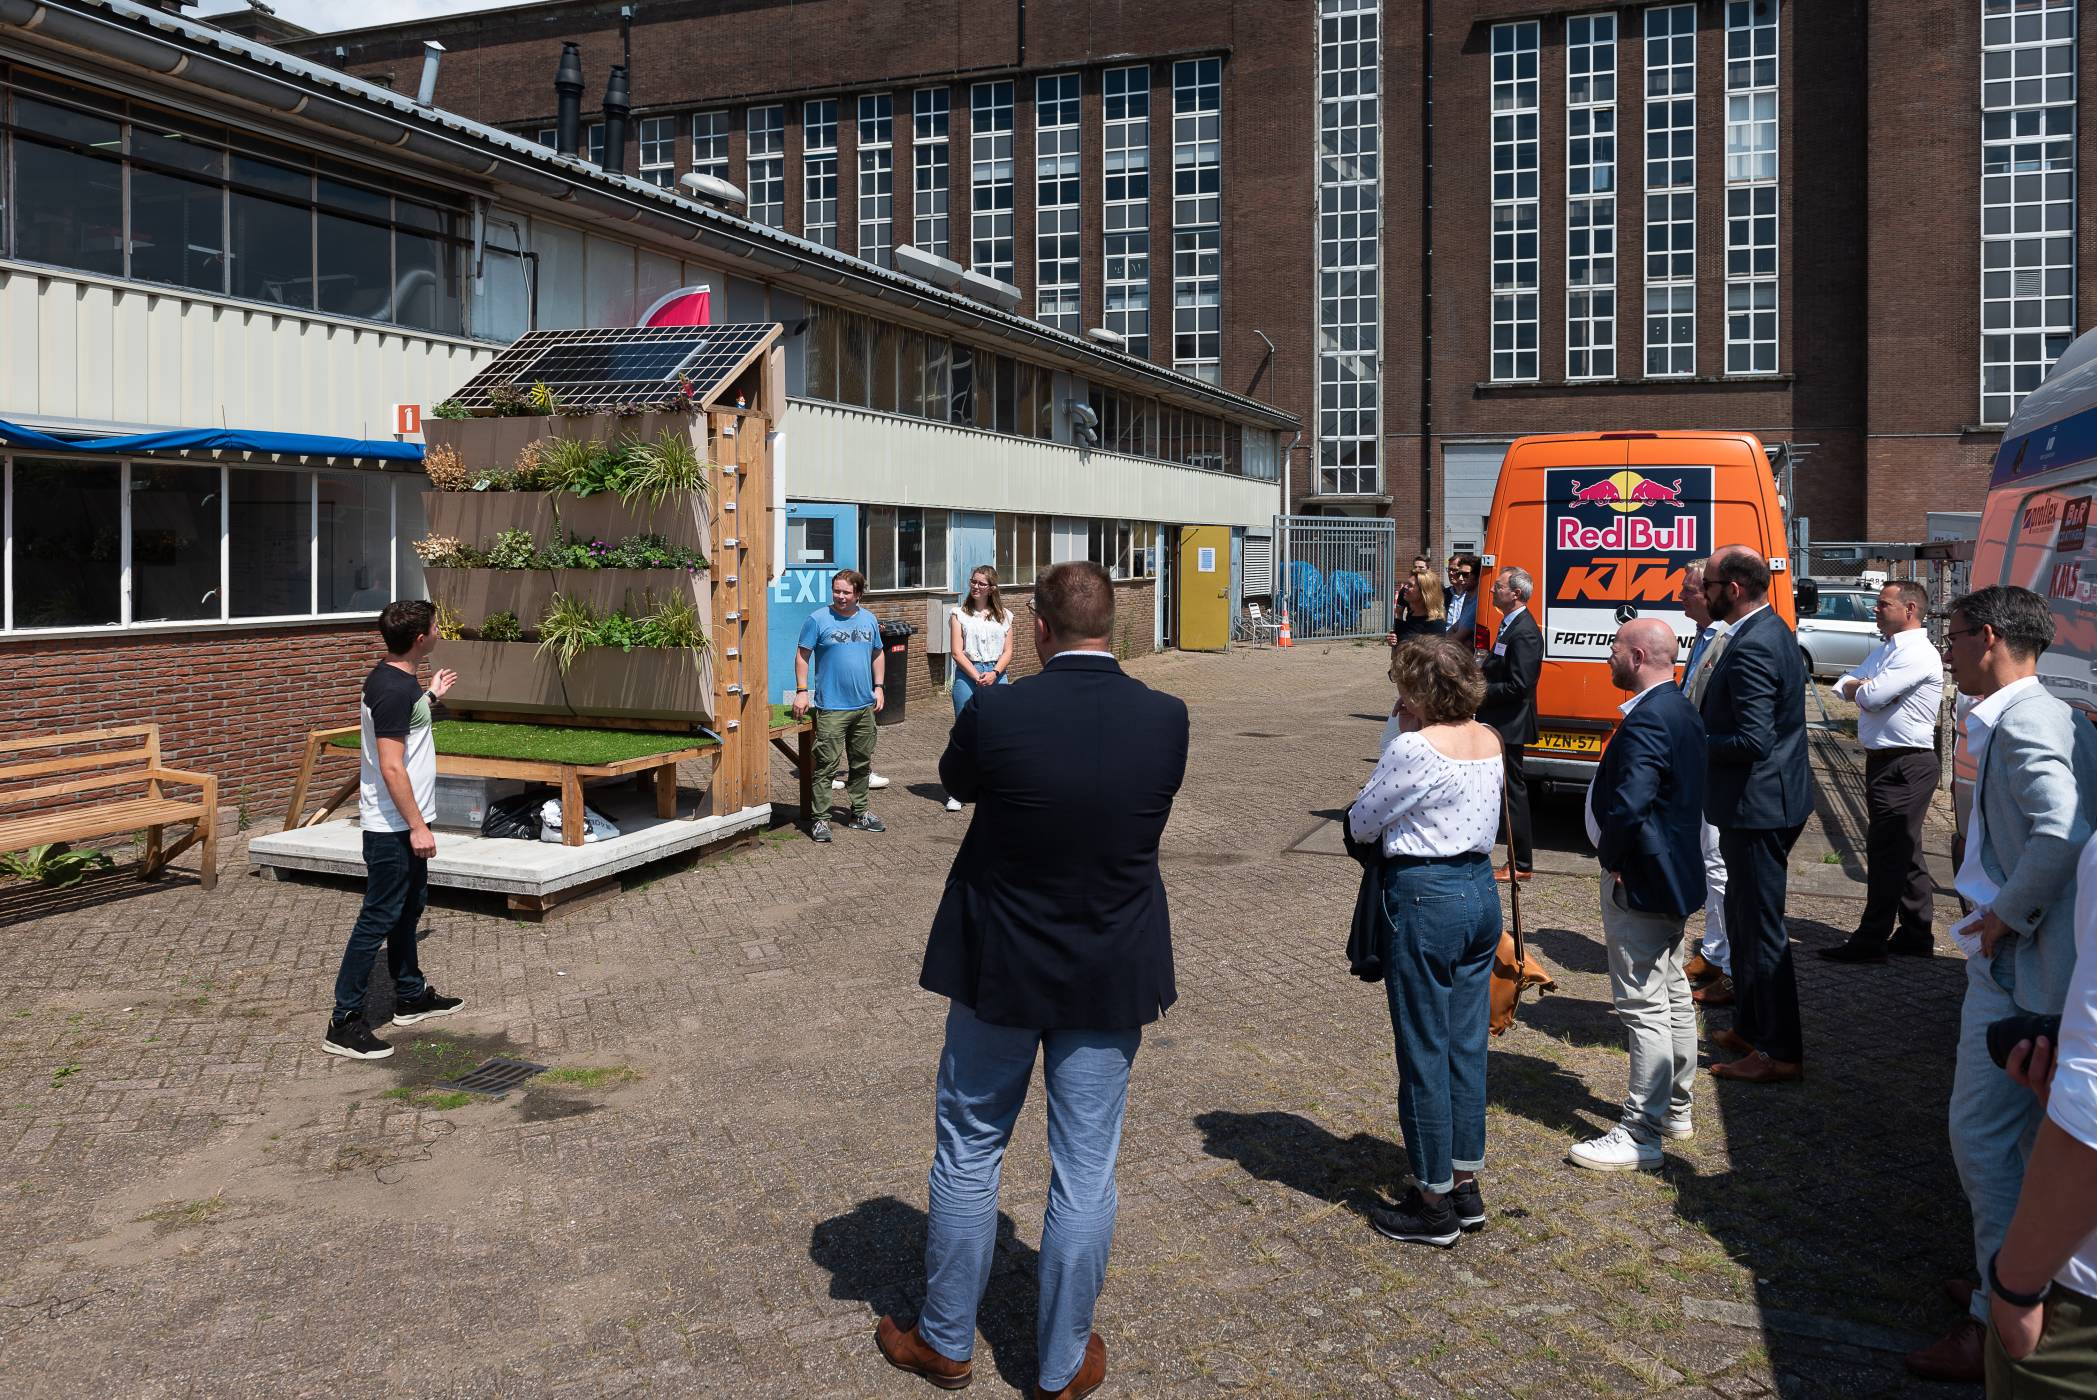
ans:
(1433, 803)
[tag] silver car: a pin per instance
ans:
(1840, 633)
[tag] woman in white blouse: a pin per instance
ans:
(1434, 804)
(979, 638)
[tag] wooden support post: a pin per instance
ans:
(573, 824)
(150, 866)
(666, 791)
(304, 779)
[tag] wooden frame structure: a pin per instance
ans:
(88, 820)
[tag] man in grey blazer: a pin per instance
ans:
(2034, 789)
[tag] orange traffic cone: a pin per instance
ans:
(1284, 640)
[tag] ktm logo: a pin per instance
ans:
(1628, 491)
(1635, 580)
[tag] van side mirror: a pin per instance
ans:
(1805, 595)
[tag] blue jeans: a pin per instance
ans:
(1437, 967)
(1994, 1120)
(964, 688)
(396, 890)
(983, 1073)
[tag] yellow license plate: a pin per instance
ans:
(1568, 741)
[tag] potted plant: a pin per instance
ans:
(663, 672)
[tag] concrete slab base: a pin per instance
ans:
(526, 869)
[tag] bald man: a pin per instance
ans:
(1644, 810)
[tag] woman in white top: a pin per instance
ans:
(979, 638)
(1434, 805)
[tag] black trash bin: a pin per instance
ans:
(895, 684)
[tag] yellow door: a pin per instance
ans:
(1205, 586)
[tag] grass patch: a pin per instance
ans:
(599, 1077)
(178, 1215)
(1832, 858)
(442, 1099)
(547, 743)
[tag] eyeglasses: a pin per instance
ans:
(1957, 632)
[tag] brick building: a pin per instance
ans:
(1452, 223)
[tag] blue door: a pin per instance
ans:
(821, 538)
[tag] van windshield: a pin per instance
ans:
(1617, 543)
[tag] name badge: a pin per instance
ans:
(1499, 648)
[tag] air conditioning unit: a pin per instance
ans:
(936, 630)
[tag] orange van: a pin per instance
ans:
(1606, 524)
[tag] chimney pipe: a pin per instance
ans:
(618, 101)
(432, 57)
(568, 84)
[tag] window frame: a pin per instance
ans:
(1350, 255)
(1590, 201)
(1125, 204)
(1058, 201)
(1197, 218)
(877, 190)
(932, 171)
(1753, 251)
(819, 171)
(1669, 42)
(991, 180)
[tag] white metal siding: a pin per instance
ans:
(1470, 472)
(105, 352)
(849, 454)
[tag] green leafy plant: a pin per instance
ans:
(675, 623)
(54, 864)
(665, 465)
(569, 626)
(451, 409)
(513, 549)
(502, 627)
(493, 479)
(509, 401)
(617, 630)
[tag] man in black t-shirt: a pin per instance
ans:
(397, 797)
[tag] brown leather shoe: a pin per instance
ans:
(1092, 1372)
(1959, 1291)
(1759, 1068)
(1732, 1042)
(1505, 873)
(1699, 967)
(907, 1351)
(1955, 1356)
(1714, 993)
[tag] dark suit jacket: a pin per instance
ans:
(1755, 731)
(1054, 914)
(1649, 803)
(1510, 681)
(1463, 619)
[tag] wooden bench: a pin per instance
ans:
(110, 769)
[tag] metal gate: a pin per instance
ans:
(1337, 574)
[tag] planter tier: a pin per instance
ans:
(604, 682)
(477, 517)
(476, 594)
(483, 443)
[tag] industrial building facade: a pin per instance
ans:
(1422, 229)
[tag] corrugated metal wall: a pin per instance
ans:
(104, 352)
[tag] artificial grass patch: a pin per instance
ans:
(549, 743)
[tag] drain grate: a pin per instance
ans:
(494, 1078)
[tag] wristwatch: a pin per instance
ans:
(2014, 1299)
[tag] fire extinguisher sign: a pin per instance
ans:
(1617, 546)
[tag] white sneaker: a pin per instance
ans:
(1680, 1128)
(953, 804)
(874, 781)
(1616, 1151)
(837, 784)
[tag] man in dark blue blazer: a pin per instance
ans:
(1052, 939)
(1645, 813)
(1759, 794)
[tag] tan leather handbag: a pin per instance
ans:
(1514, 971)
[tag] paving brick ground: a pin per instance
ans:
(198, 1202)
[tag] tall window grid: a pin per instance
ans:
(1125, 194)
(710, 143)
(2028, 111)
(1197, 217)
(1515, 110)
(1057, 190)
(766, 161)
(1751, 187)
(990, 180)
(931, 161)
(877, 177)
(819, 172)
(1349, 204)
(1671, 191)
(658, 140)
(1590, 201)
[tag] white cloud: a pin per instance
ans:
(326, 16)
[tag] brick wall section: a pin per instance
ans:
(235, 704)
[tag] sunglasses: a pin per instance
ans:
(1962, 632)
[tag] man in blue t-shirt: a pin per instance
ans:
(842, 645)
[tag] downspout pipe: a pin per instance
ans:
(1427, 530)
(568, 87)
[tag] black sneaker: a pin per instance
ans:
(1416, 1222)
(431, 1003)
(865, 821)
(1468, 1204)
(819, 831)
(353, 1040)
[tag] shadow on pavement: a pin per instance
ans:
(1574, 952)
(1299, 1154)
(875, 1253)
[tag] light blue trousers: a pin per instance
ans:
(1994, 1119)
(983, 1074)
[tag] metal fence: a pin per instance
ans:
(1337, 575)
(1848, 561)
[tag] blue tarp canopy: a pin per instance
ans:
(215, 440)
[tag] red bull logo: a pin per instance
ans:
(1628, 491)
(1633, 535)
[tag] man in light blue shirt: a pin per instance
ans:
(841, 645)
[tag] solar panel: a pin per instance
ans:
(599, 370)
